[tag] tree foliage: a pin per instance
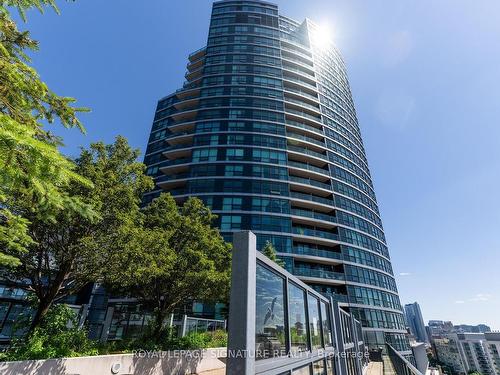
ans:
(269, 251)
(31, 166)
(64, 256)
(58, 336)
(172, 256)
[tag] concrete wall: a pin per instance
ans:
(205, 362)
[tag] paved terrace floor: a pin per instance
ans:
(375, 368)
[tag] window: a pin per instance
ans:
(205, 154)
(235, 154)
(327, 325)
(314, 321)
(269, 314)
(232, 203)
(230, 222)
(233, 170)
(297, 319)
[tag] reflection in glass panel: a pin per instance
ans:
(314, 321)
(297, 318)
(306, 370)
(319, 367)
(269, 314)
(327, 325)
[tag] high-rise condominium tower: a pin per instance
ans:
(264, 130)
(415, 321)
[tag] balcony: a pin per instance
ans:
(197, 54)
(315, 233)
(302, 93)
(304, 126)
(314, 215)
(313, 198)
(306, 139)
(305, 151)
(321, 274)
(309, 181)
(302, 114)
(309, 167)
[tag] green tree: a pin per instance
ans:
(269, 251)
(172, 256)
(31, 166)
(64, 256)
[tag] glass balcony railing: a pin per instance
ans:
(177, 161)
(310, 197)
(300, 81)
(175, 147)
(308, 167)
(301, 92)
(336, 297)
(314, 215)
(303, 114)
(323, 274)
(302, 250)
(302, 104)
(304, 126)
(306, 151)
(315, 233)
(305, 138)
(308, 181)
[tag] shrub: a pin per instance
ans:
(58, 336)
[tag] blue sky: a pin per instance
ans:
(425, 76)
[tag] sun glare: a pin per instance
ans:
(323, 36)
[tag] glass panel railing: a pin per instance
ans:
(177, 161)
(323, 274)
(304, 126)
(300, 92)
(305, 138)
(315, 233)
(308, 181)
(303, 114)
(303, 250)
(310, 197)
(306, 151)
(308, 167)
(314, 215)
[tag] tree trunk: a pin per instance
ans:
(159, 319)
(47, 300)
(41, 311)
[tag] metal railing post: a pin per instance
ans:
(340, 360)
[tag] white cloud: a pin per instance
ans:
(481, 297)
(459, 302)
(404, 274)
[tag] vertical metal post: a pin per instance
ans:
(242, 306)
(337, 329)
(356, 340)
(184, 325)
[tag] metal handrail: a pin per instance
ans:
(400, 363)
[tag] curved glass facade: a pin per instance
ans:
(264, 131)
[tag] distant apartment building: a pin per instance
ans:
(438, 328)
(466, 328)
(467, 352)
(415, 322)
(448, 353)
(493, 345)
